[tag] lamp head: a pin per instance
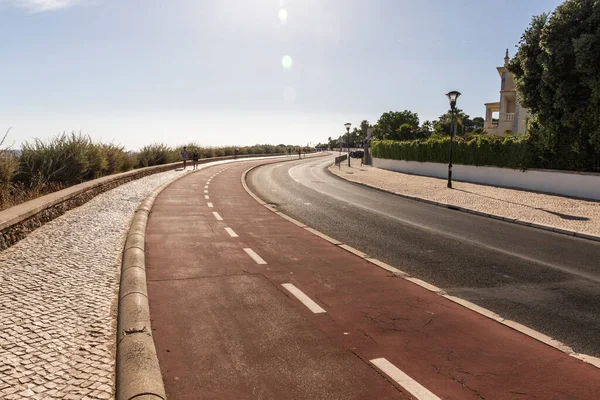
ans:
(453, 97)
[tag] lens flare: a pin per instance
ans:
(286, 62)
(283, 14)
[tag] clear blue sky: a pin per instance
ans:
(211, 71)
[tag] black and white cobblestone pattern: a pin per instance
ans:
(58, 299)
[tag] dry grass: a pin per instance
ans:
(45, 166)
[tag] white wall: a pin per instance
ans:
(576, 184)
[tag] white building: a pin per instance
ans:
(506, 115)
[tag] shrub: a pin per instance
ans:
(155, 154)
(475, 150)
(62, 159)
(117, 159)
(97, 162)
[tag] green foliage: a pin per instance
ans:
(475, 150)
(46, 166)
(117, 159)
(388, 124)
(408, 132)
(96, 160)
(557, 74)
(63, 159)
(443, 123)
(156, 154)
(478, 122)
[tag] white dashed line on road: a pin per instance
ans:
(307, 301)
(210, 205)
(231, 232)
(206, 197)
(206, 187)
(254, 256)
(206, 191)
(217, 216)
(408, 383)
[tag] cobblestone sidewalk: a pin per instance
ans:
(556, 211)
(58, 293)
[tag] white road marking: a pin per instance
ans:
(307, 301)
(206, 191)
(254, 256)
(217, 216)
(205, 186)
(209, 204)
(231, 232)
(206, 197)
(408, 383)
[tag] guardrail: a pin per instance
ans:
(18, 221)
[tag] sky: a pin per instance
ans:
(242, 72)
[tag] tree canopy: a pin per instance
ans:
(389, 123)
(557, 74)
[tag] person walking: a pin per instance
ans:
(195, 158)
(184, 156)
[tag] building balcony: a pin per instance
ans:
(509, 117)
(491, 124)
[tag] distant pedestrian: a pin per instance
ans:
(184, 156)
(195, 158)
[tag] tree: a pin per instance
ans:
(478, 122)
(442, 125)
(557, 74)
(388, 124)
(408, 132)
(427, 127)
(364, 125)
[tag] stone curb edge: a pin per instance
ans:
(18, 221)
(548, 228)
(138, 373)
(594, 361)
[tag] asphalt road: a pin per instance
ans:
(546, 281)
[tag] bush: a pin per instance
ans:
(117, 159)
(156, 154)
(9, 163)
(476, 150)
(62, 159)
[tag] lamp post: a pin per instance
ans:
(347, 125)
(452, 97)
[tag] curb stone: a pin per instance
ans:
(540, 337)
(548, 228)
(138, 373)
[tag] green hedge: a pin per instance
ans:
(480, 150)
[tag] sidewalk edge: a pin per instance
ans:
(562, 231)
(138, 372)
(538, 336)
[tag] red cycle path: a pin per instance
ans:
(224, 327)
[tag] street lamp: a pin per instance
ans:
(347, 125)
(452, 97)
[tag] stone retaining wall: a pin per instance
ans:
(17, 222)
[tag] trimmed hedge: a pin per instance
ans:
(480, 150)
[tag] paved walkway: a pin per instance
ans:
(556, 211)
(245, 304)
(58, 293)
